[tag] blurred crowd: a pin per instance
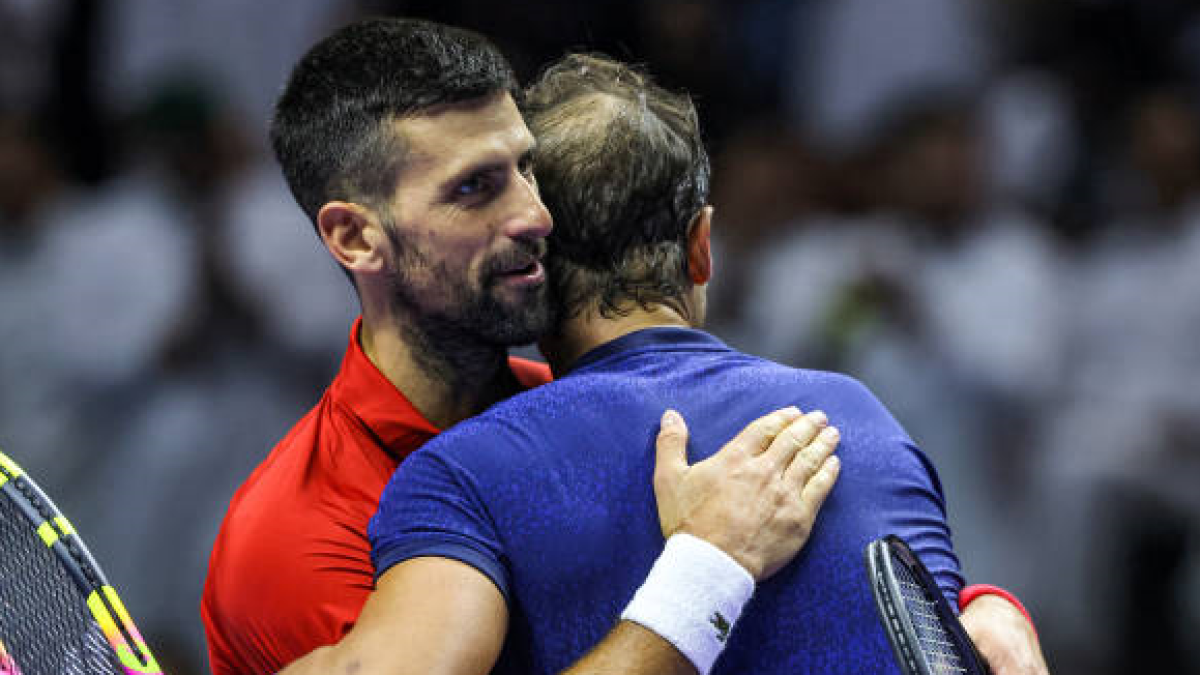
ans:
(986, 210)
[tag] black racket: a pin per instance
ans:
(924, 632)
(58, 614)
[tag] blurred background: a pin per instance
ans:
(987, 210)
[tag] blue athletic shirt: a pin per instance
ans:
(549, 494)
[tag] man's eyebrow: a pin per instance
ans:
(484, 165)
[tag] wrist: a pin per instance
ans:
(725, 541)
(692, 597)
(971, 593)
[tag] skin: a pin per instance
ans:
(467, 208)
(1004, 637)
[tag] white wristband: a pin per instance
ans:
(691, 598)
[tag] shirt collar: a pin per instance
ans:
(663, 338)
(371, 397)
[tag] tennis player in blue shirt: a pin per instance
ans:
(547, 495)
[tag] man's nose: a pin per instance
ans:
(530, 218)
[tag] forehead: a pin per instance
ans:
(451, 138)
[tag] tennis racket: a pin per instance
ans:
(925, 633)
(58, 613)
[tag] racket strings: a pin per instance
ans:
(44, 622)
(941, 653)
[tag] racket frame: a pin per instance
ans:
(57, 533)
(898, 625)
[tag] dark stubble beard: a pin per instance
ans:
(474, 321)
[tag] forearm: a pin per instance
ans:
(359, 656)
(327, 660)
(426, 616)
(632, 649)
(629, 648)
(680, 618)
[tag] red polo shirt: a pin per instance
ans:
(291, 566)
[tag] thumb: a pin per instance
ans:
(671, 455)
(670, 465)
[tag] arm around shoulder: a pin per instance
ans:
(436, 616)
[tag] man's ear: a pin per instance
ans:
(353, 235)
(700, 247)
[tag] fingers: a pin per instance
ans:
(671, 452)
(806, 461)
(814, 492)
(814, 469)
(759, 434)
(796, 436)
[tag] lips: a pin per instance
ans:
(517, 270)
(530, 274)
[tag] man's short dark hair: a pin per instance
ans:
(330, 131)
(623, 171)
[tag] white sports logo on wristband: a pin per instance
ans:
(692, 597)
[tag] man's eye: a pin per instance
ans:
(473, 186)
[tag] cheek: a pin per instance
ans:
(452, 259)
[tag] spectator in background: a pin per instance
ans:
(26, 53)
(947, 303)
(243, 49)
(32, 186)
(1120, 458)
(137, 373)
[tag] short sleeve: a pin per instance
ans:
(921, 522)
(907, 487)
(432, 508)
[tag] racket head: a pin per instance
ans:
(925, 633)
(58, 613)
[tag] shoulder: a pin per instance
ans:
(328, 453)
(839, 386)
(306, 503)
(290, 566)
(484, 440)
(511, 435)
(850, 403)
(845, 391)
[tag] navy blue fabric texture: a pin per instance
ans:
(549, 494)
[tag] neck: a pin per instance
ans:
(447, 376)
(581, 334)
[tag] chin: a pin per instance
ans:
(521, 327)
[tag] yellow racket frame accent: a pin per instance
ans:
(53, 532)
(109, 625)
(11, 467)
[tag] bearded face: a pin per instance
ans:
(467, 227)
(503, 300)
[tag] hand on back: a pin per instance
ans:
(758, 497)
